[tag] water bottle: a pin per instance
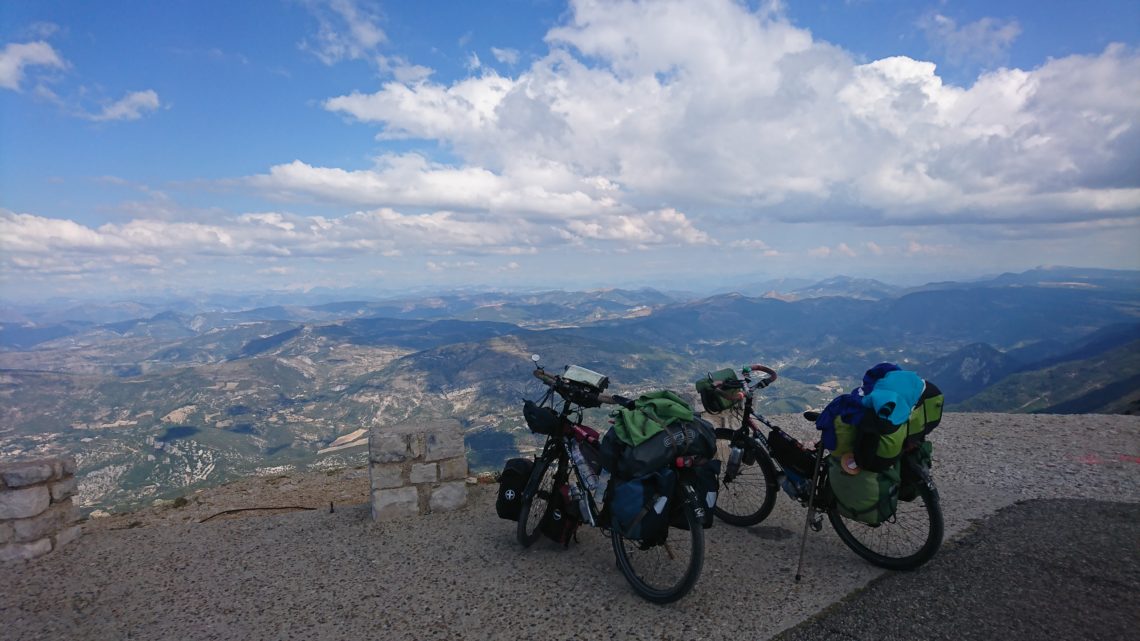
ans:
(734, 456)
(585, 470)
(582, 503)
(600, 490)
(792, 484)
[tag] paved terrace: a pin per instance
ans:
(460, 575)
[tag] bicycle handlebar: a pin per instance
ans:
(772, 376)
(557, 383)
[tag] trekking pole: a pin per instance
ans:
(811, 507)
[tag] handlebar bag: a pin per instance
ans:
(640, 506)
(713, 401)
(512, 481)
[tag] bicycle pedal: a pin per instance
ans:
(817, 523)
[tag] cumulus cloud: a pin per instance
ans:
(346, 30)
(130, 107)
(17, 56)
(985, 41)
(714, 106)
(413, 180)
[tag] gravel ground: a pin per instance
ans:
(321, 575)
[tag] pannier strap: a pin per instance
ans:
(641, 513)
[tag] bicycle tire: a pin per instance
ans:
(656, 573)
(910, 538)
(537, 494)
(747, 499)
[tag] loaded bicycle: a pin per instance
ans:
(757, 465)
(564, 486)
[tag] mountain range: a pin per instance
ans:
(199, 392)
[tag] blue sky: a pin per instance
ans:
(378, 146)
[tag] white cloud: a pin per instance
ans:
(412, 180)
(711, 106)
(843, 248)
(129, 107)
(16, 57)
(985, 41)
(506, 56)
(346, 30)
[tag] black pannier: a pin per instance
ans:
(512, 481)
(706, 484)
(560, 521)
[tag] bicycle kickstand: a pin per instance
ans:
(811, 508)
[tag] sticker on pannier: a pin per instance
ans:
(512, 481)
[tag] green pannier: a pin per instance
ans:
(868, 497)
(921, 456)
(713, 399)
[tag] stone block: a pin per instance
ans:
(388, 448)
(24, 502)
(387, 475)
(61, 490)
(68, 465)
(24, 551)
(443, 440)
(48, 522)
(425, 473)
(24, 473)
(67, 535)
(449, 496)
(453, 469)
(395, 503)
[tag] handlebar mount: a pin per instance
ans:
(578, 392)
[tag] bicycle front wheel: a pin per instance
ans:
(903, 542)
(536, 499)
(748, 497)
(666, 572)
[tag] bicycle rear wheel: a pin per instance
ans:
(536, 498)
(748, 497)
(905, 541)
(666, 572)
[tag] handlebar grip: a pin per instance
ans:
(617, 400)
(545, 378)
(772, 376)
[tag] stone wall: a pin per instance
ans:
(417, 468)
(36, 511)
